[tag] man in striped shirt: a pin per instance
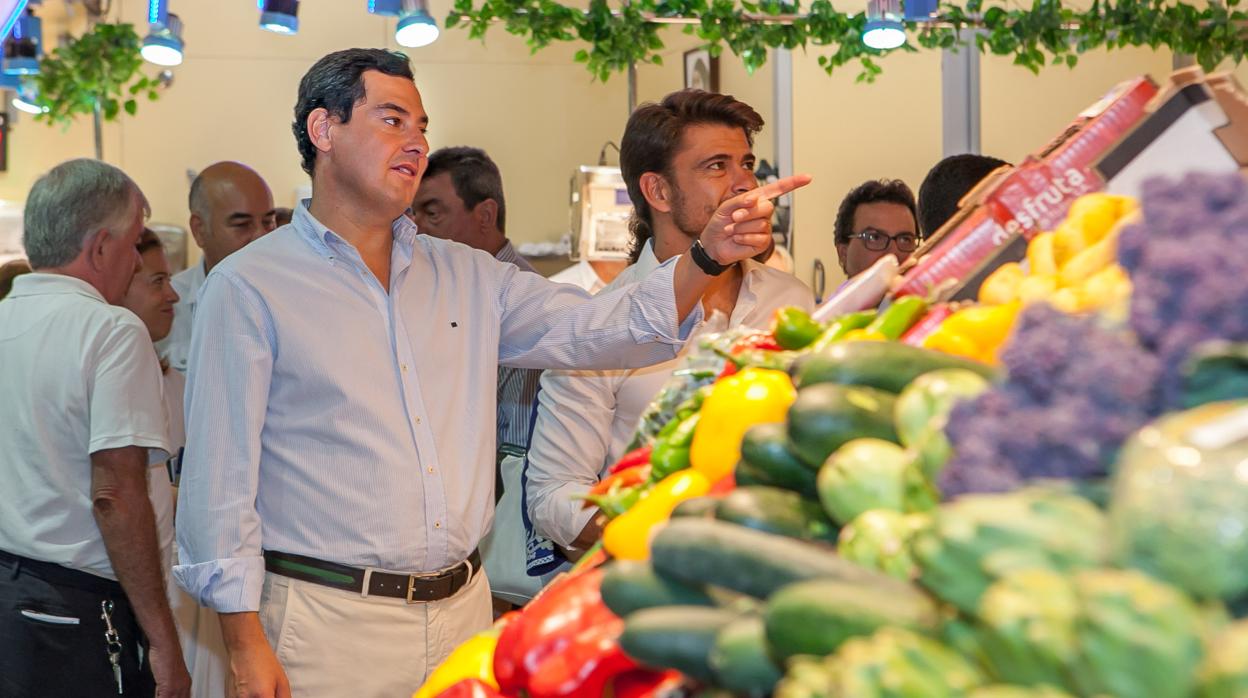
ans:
(461, 199)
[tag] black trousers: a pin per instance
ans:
(52, 634)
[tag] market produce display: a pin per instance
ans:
(1048, 499)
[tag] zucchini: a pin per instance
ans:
(700, 507)
(740, 660)
(815, 617)
(629, 586)
(886, 366)
(765, 449)
(826, 417)
(778, 511)
(675, 637)
(703, 551)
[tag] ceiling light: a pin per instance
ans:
(884, 30)
(920, 10)
(163, 44)
(24, 46)
(27, 100)
(416, 26)
(279, 16)
(10, 12)
(388, 8)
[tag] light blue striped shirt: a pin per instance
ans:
(328, 418)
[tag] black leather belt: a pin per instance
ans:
(413, 588)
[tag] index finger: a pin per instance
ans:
(781, 187)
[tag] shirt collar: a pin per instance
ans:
(507, 253)
(45, 284)
(323, 240)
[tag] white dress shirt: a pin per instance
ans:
(585, 419)
(79, 376)
(333, 419)
(581, 274)
(177, 346)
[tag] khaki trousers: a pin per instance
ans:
(337, 643)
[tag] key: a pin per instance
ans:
(112, 657)
(112, 642)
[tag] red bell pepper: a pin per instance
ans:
(630, 477)
(470, 688)
(724, 485)
(644, 683)
(585, 665)
(632, 459)
(756, 340)
(547, 626)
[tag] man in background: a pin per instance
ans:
(681, 159)
(230, 206)
(946, 184)
(876, 218)
(461, 199)
(83, 605)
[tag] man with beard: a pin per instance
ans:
(681, 159)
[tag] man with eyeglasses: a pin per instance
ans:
(875, 219)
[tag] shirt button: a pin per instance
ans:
(430, 470)
(418, 420)
(403, 366)
(437, 524)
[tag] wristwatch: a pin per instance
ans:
(705, 262)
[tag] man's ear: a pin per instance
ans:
(318, 126)
(657, 192)
(842, 253)
(486, 213)
(199, 229)
(95, 248)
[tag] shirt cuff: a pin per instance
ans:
(231, 585)
(561, 518)
(654, 309)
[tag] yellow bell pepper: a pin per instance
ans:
(976, 332)
(736, 403)
(627, 537)
(472, 660)
(1002, 285)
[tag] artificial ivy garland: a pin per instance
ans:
(1049, 33)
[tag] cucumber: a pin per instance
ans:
(740, 661)
(886, 366)
(700, 507)
(675, 637)
(778, 511)
(815, 617)
(703, 551)
(765, 449)
(629, 586)
(825, 417)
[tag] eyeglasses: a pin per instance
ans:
(877, 241)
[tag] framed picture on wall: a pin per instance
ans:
(701, 70)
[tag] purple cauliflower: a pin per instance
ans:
(1188, 264)
(1075, 391)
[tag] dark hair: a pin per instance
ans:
(11, 270)
(283, 215)
(892, 191)
(653, 135)
(474, 176)
(946, 184)
(148, 240)
(336, 84)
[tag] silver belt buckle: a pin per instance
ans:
(411, 584)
